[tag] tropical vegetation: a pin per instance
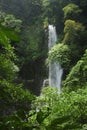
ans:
(23, 57)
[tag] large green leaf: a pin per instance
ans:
(7, 34)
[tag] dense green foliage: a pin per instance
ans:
(78, 75)
(60, 53)
(13, 99)
(71, 11)
(23, 52)
(73, 32)
(15, 106)
(67, 111)
(7, 55)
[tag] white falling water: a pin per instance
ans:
(55, 70)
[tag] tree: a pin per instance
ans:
(73, 32)
(60, 53)
(32, 9)
(15, 105)
(63, 112)
(72, 11)
(14, 100)
(77, 76)
(53, 12)
(7, 55)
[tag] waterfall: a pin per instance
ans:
(55, 70)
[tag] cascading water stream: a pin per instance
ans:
(55, 70)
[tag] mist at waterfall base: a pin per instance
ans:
(55, 70)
